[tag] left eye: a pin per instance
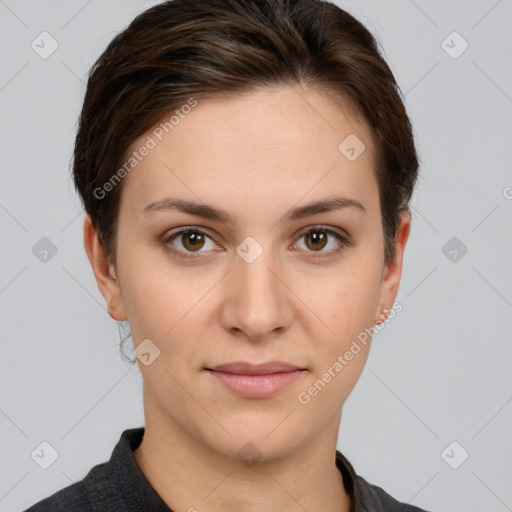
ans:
(317, 238)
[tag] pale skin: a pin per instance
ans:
(256, 156)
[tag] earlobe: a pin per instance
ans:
(104, 272)
(393, 270)
(383, 315)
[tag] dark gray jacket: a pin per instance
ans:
(120, 485)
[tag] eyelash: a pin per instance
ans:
(344, 241)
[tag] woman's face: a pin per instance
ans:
(255, 288)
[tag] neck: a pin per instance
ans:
(191, 476)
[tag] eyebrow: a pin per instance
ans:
(213, 213)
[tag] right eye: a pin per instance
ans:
(187, 241)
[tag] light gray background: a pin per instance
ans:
(439, 372)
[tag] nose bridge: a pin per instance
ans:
(258, 285)
(258, 298)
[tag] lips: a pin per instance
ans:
(243, 368)
(256, 381)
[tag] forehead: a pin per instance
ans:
(276, 141)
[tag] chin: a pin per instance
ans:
(261, 435)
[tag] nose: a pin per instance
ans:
(257, 301)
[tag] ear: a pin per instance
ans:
(104, 272)
(393, 271)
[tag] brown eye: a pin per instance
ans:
(316, 240)
(188, 241)
(192, 240)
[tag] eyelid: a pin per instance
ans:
(184, 229)
(324, 227)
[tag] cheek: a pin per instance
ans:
(347, 301)
(174, 310)
(347, 307)
(159, 308)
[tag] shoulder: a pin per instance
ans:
(374, 498)
(117, 484)
(75, 497)
(368, 497)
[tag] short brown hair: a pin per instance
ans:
(205, 48)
